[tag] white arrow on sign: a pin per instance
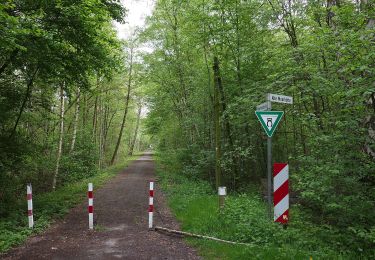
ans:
(280, 98)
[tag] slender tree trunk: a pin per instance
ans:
(76, 120)
(94, 119)
(105, 128)
(217, 123)
(84, 111)
(126, 108)
(61, 138)
(317, 112)
(122, 127)
(238, 46)
(26, 98)
(100, 137)
(131, 148)
(370, 119)
(103, 137)
(208, 111)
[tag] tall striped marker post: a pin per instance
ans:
(30, 205)
(281, 192)
(151, 206)
(91, 206)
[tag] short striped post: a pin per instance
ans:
(30, 205)
(281, 192)
(91, 206)
(151, 206)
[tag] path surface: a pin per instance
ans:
(120, 209)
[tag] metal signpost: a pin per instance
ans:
(269, 121)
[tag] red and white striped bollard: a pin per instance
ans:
(281, 192)
(30, 205)
(91, 206)
(151, 206)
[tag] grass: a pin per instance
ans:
(50, 206)
(244, 219)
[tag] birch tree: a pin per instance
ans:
(61, 136)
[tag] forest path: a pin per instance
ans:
(120, 213)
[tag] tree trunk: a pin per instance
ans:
(217, 123)
(27, 95)
(100, 137)
(105, 128)
(126, 108)
(84, 111)
(61, 138)
(131, 148)
(94, 120)
(76, 118)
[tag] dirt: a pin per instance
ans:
(121, 224)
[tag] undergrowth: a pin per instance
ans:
(244, 219)
(49, 207)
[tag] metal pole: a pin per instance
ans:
(269, 174)
(269, 164)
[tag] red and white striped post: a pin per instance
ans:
(151, 206)
(30, 205)
(281, 192)
(91, 206)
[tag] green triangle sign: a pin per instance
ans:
(269, 120)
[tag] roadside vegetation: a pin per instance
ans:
(74, 99)
(70, 104)
(244, 219)
(215, 61)
(51, 206)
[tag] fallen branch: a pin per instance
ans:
(199, 236)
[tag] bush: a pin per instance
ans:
(81, 163)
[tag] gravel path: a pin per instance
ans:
(121, 219)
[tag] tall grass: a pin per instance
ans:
(244, 219)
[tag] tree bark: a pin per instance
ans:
(27, 95)
(94, 120)
(126, 108)
(76, 118)
(105, 128)
(217, 78)
(131, 148)
(84, 111)
(61, 137)
(100, 137)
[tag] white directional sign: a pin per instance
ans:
(269, 120)
(264, 106)
(280, 98)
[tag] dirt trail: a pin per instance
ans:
(120, 209)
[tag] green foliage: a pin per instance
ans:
(45, 46)
(244, 219)
(80, 164)
(319, 52)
